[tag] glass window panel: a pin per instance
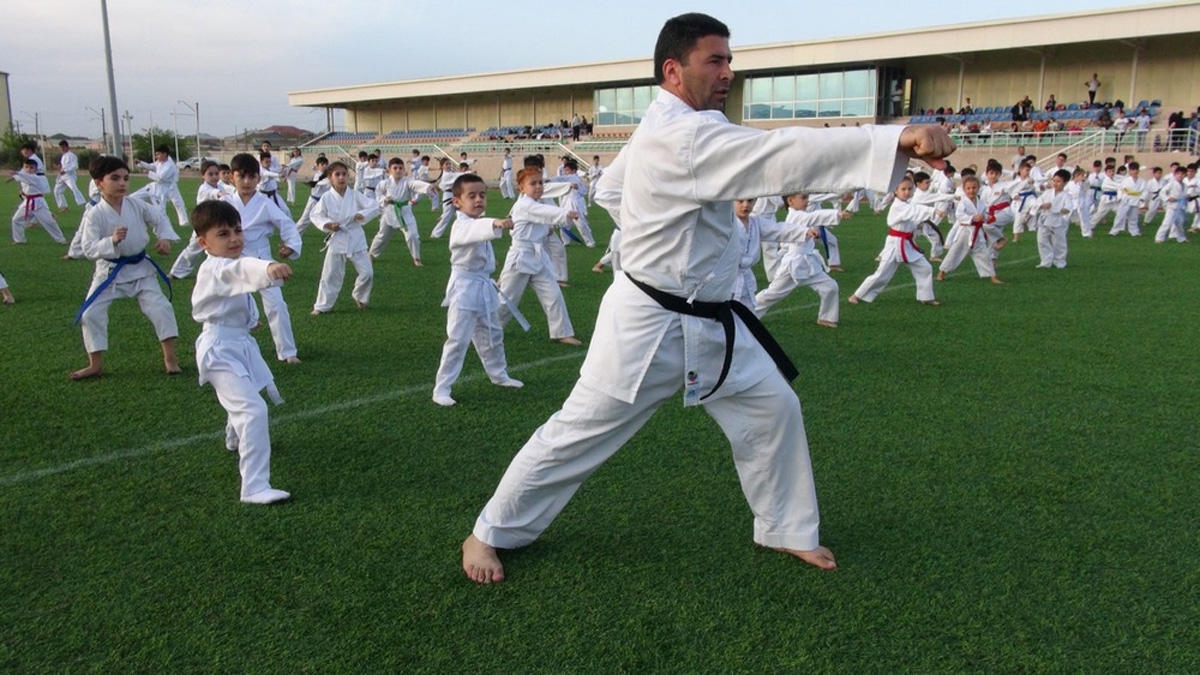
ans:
(606, 118)
(831, 85)
(858, 84)
(806, 109)
(641, 99)
(784, 88)
(760, 90)
(606, 99)
(782, 111)
(830, 108)
(624, 99)
(858, 107)
(806, 87)
(759, 111)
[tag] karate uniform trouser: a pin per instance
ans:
(186, 262)
(783, 284)
(64, 182)
(558, 256)
(305, 215)
(1023, 219)
(764, 425)
(150, 299)
(469, 327)
(507, 189)
(920, 268)
(247, 428)
(40, 215)
(958, 249)
(412, 238)
(334, 272)
(1105, 206)
(1052, 245)
(545, 287)
(771, 255)
(75, 248)
(1172, 226)
(291, 189)
(172, 195)
(1084, 213)
(581, 225)
(1127, 219)
(612, 256)
(1151, 211)
(279, 319)
(447, 219)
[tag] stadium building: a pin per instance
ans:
(1143, 56)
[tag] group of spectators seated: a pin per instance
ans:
(575, 128)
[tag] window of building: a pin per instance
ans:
(622, 105)
(840, 93)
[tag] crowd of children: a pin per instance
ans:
(238, 212)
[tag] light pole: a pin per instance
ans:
(175, 119)
(112, 85)
(103, 126)
(128, 132)
(196, 112)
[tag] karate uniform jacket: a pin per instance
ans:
(533, 221)
(222, 302)
(260, 216)
(102, 220)
(676, 179)
(472, 262)
(342, 209)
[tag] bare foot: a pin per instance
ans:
(315, 312)
(818, 557)
(996, 280)
(87, 373)
(941, 276)
(835, 268)
(481, 563)
(292, 360)
(1001, 243)
(570, 340)
(563, 284)
(933, 303)
(852, 299)
(417, 262)
(173, 368)
(597, 267)
(360, 305)
(827, 324)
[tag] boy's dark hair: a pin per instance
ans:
(572, 164)
(535, 161)
(1064, 175)
(920, 177)
(416, 151)
(245, 164)
(263, 155)
(373, 156)
(1063, 155)
(322, 160)
(1180, 169)
(163, 149)
(1097, 163)
(465, 179)
(29, 145)
(104, 165)
(993, 165)
(424, 158)
(207, 164)
(679, 35)
(463, 166)
(64, 144)
(362, 154)
(334, 165)
(1135, 165)
(1157, 169)
(969, 179)
(967, 172)
(395, 160)
(224, 167)
(28, 161)
(213, 213)
(1079, 172)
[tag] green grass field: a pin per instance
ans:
(1009, 482)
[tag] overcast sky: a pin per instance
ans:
(239, 59)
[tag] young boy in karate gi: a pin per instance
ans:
(396, 195)
(68, 178)
(260, 217)
(1174, 200)
(227, 356)
(903, 218)
(343, 213)
(1054, 208)
(968, 235)
(445, 184)
(164, 186)
(319, 185)
(472, 302)
(32, 208)
(292, 173)
(210, 189)
(1131, 201)
(801, 264)
(528, 263)
(575, 200)
(116, 232)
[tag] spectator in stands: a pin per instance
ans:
(1018, 113)
(1092, 86)
(1142, 123)
(1056, 125)
(1120, 124)
(1104, 120)
(966, 109)
(1040, 127)
(1026, 106)
(575, 125)
(1051, 104)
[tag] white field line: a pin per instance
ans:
(411, 390)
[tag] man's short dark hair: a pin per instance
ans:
(679, 35)
(245, 164)
(213, 213)
(163, 149)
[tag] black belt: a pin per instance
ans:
(723, 312)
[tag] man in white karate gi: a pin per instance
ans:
(664, 322)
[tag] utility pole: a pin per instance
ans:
(175, 118)
(103, 128)
(112, 84)
(128, 132)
